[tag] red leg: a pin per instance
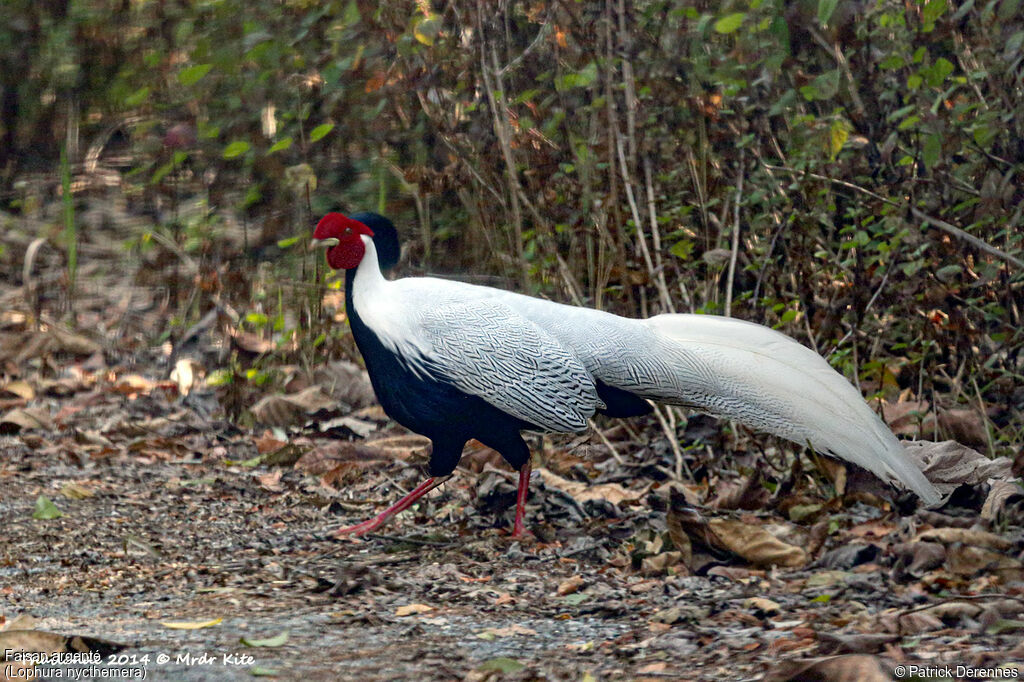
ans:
(524, 489)
(376, 522)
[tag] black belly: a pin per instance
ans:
(437, 410)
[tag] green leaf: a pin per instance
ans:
(502, 664)
(285, 243)
(892, 62)
(729, 23)
(236, 148)
(932, 10)
(193, 74)
(983, 134)
(137, 97)
(682, 249)
(261, 671)
(45, 509)
(257, 319)
(825, 10)
(839, 133)
(938, 72)
(576, 599)
(578, 79)
(320, 131)
(278, 640)
(280, 145)
(426, 29)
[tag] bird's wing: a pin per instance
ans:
(486, 349)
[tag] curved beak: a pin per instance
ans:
(324, 243)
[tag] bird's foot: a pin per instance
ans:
(365, 527)
(376, 522)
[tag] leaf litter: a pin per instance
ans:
(179, 531)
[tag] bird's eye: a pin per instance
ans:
(348, 231)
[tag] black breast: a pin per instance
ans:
(435, 409)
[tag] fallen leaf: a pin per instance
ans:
(509, 631)
(26, 418)
(569, 586)
(762, 605)
(755, 544)
(133, 385)
(192, 625)
(502, 664)
(277, 640)
(949, 464)
(1004, 495)
(271, 481)
(73, 491)
(186, 374)
(968, 536)
(291, 410)
(581, 492)
(411, 609)
(846, 668)
(858, 643)
(45, 509)
(21, 389)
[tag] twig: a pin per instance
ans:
(545, 29)
(656, 233)
(871, 301)
(607, 443)
(496, 100)
(666, 300)
(670, 433)
(735, 237)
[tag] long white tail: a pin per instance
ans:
(768, 381)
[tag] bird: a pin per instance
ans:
(455, 361)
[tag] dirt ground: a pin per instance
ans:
(139, 522)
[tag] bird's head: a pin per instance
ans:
(344, 236)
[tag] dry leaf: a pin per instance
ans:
(1003, 495)
(291, 410)
(271, 481)
(192, 625)
(571, 585)
(660, 563)
(969, 536)
(267, 443)
(185, 374)
(509, 631)
(21, 389)
(763, 605)
(26, 418)
(847, 668)
(411, 609)
(504, 598)
(581, 492)
(964, 560)
(860, 643)
(949, 464)
(755, 544)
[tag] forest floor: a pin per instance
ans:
(138, 522)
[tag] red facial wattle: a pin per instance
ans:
(350, 248)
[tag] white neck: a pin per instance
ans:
(368, 276)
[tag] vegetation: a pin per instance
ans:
(846, 171)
